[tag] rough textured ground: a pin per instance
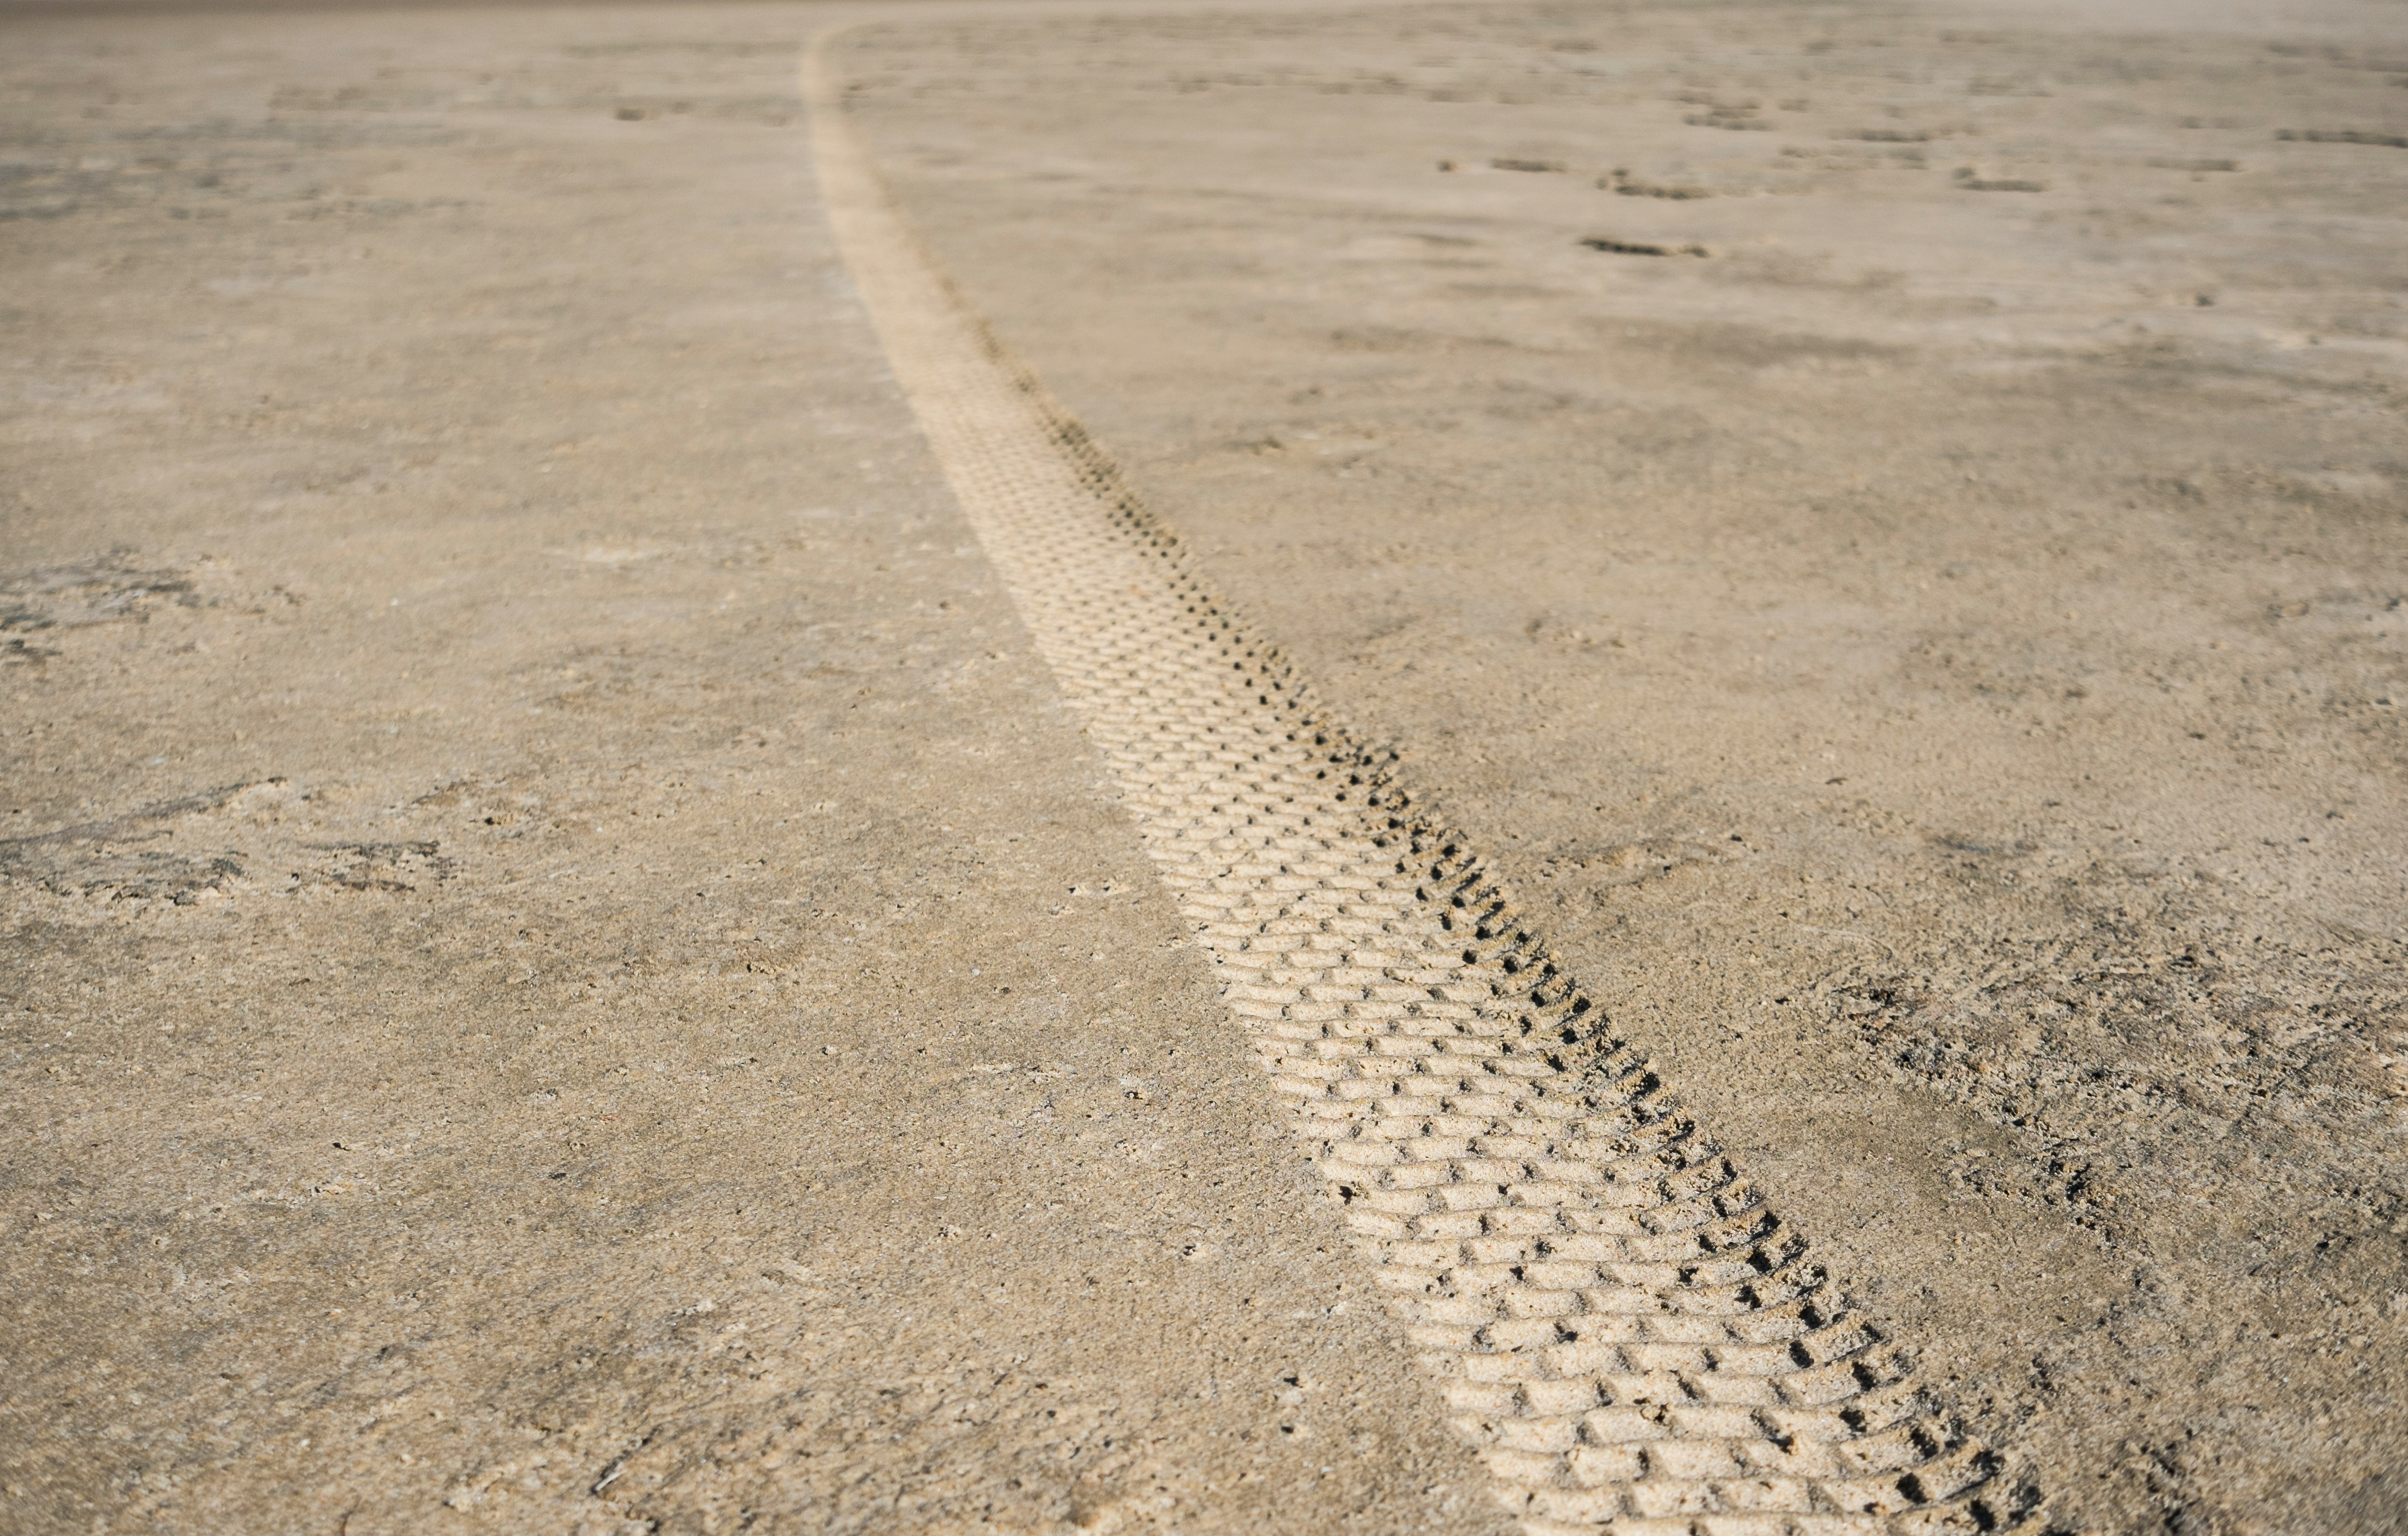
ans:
(1934, 661)
(1600, 1299)
(562, 968)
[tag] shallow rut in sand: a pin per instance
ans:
(1603, 1304)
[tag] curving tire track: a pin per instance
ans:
(1605, 1306)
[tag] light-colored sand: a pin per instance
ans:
(564, 969)
(1602, 1302)
(566, 966)
(1934, 664)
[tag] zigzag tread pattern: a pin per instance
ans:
(1608, 1310)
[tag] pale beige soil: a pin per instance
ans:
(1934, 664)
(564, 967)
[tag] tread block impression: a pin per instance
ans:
(1606, 1309)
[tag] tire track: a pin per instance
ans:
(1606, 1307)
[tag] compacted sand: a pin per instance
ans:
(565, 968)
(564, 965)
(1888, 524)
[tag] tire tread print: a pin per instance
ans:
(1612, 1314)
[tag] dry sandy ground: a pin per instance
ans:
(564, 967)
(1889, 525)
